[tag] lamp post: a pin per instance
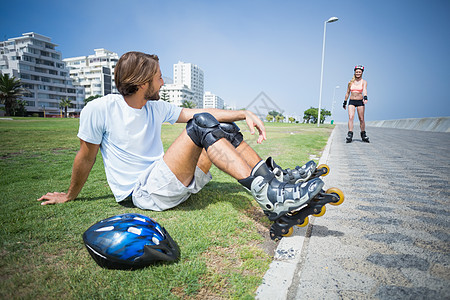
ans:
(330, 20)
(332, 104)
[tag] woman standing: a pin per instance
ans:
(357, 89)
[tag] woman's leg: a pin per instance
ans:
(351, 116)
(362, 123)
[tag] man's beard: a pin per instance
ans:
(150, 94)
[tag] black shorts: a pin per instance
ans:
(356, 103)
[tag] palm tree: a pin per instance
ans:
(188, 104)
(165, 96)
(11, 92)
(65, 103)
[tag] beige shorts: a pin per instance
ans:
(159, 189)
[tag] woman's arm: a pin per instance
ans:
(365, 92)
(344, 105)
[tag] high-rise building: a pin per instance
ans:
(95, 73)
(192, 76)
(212, 101)
(32, 58)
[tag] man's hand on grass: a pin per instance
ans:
(54, 198)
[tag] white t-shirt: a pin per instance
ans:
(129, 138)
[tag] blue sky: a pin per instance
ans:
(275, 47)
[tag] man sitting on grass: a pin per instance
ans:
(127, 130)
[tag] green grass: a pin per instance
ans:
(218, 230)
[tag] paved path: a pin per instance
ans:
(390, 239)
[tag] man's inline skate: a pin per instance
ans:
(288, 204)
(298, 174)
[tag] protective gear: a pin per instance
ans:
(278, 198)
(232, 133)
(360, 67)
(344, 104)
(204, 130)
(129, 241)
(298, 174)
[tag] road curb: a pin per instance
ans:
(280, 276)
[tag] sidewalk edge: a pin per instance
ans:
(280, 276)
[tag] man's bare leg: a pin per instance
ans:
(248, 154)
(183, 156)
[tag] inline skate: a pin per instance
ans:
(288, 204)
(364, 137)
(298, 174)
(283, 226)
(349, 137)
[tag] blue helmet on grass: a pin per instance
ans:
(129, 241)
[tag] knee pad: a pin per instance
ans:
(232, 133)
(204, 130)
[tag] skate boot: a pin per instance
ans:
(298, 174)
(278, 198)
(283, 226)
(364, 137)
(349, 137)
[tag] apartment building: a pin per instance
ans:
(176, 93)
(192, 76)
(33, 59)
(95, 73)
(212, 101)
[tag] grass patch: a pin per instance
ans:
(221, 231)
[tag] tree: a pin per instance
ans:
(276, 116)
(274, 113)
(269, 118)
(310, 115)
(188, 104)
(279, 118)
(291, 119)
(165, 96)
(90, 98)
(19, 110)
(11, 92)
(65, 103)
(323, 114)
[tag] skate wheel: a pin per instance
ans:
(324, 168)
(305, 222)
(338, 193)
(289, 233)
(322, 212)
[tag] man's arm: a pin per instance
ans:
(228, 116)
(82, 166)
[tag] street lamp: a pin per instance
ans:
(330, 20)
(332, 104)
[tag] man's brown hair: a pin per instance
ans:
(134, 69)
